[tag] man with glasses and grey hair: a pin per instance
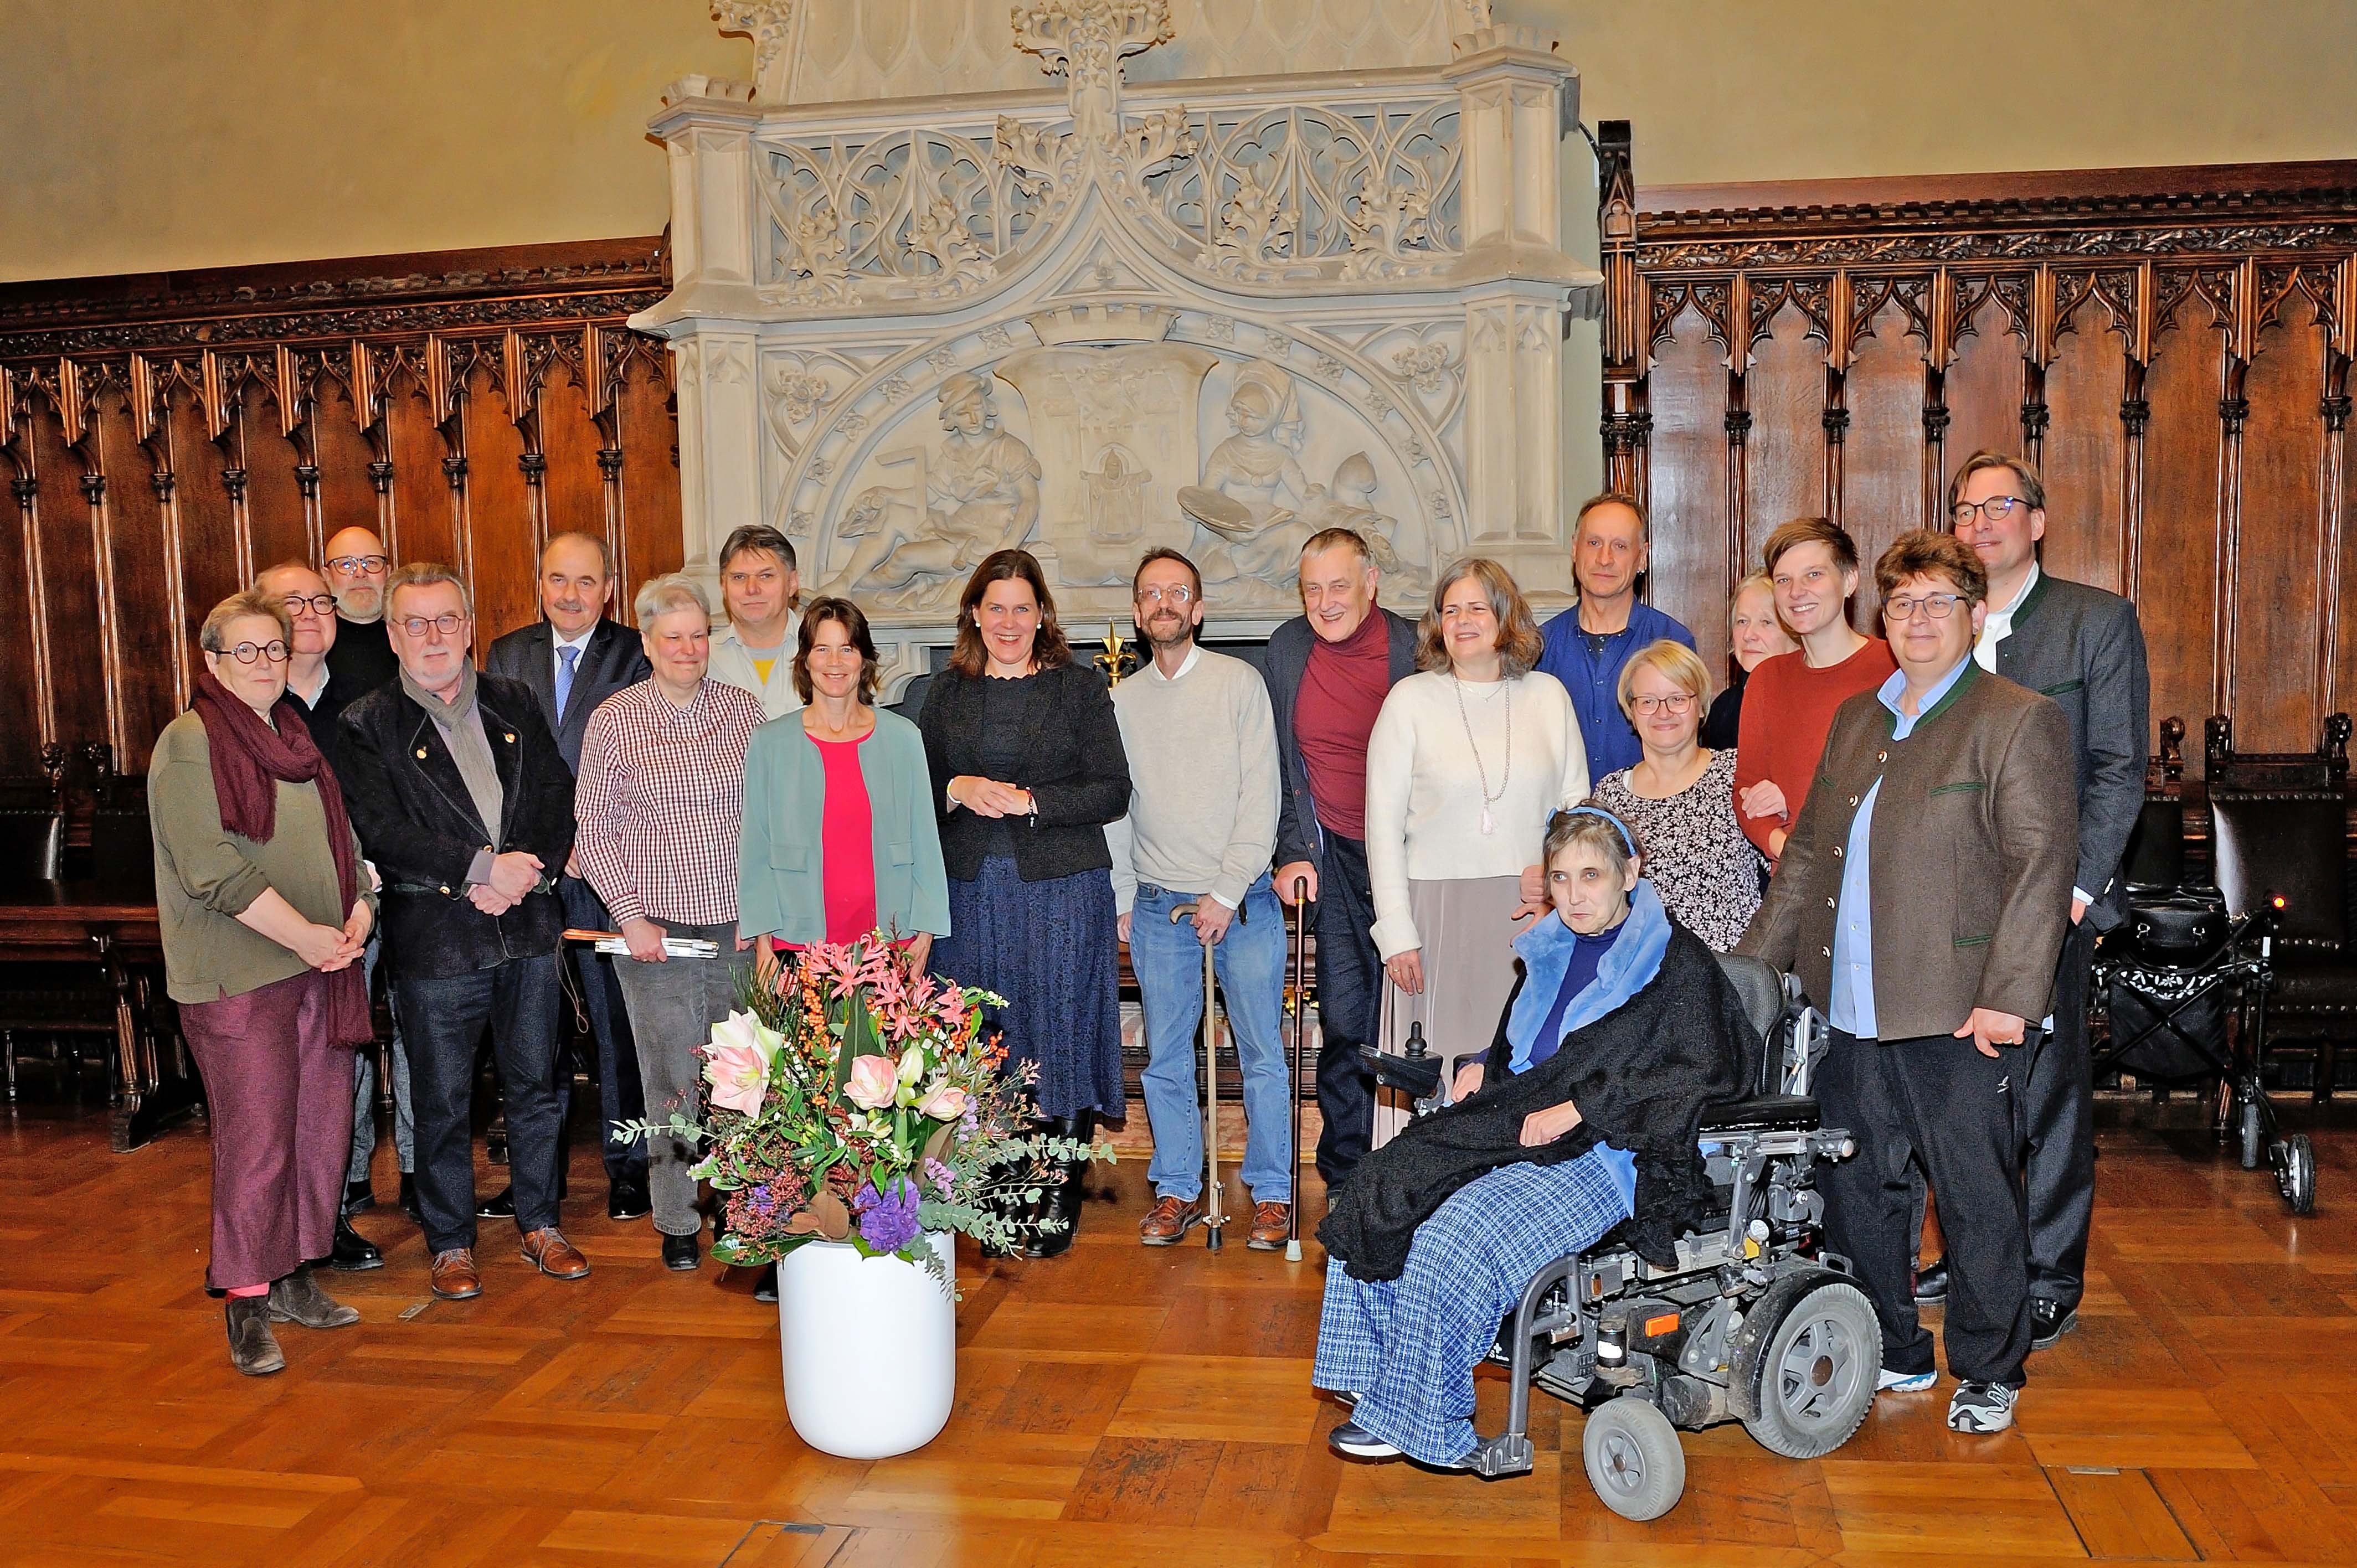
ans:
(355, 564)
(753, 642)
(465, 805)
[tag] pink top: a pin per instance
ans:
(846, 843)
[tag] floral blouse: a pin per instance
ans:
(1705, 869)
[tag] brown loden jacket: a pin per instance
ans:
(1975, 839)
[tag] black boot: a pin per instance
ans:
(252, 1348)
(297, 1298)
(1019, 1210)
(1057, 1214)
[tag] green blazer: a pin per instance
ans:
(781, 880)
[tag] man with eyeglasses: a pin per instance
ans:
(311, 611)
(1588, 644)
(362, 657)
(2084, 647)
(753, 646)
(1201, 826)
(1922, 901)
(465, 804)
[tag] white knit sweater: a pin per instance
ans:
(1423, 792)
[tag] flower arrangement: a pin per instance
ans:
(850, 1102)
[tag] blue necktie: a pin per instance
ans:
(566, 658)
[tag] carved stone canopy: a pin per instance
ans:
(1213, 313)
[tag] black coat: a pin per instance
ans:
(1642, 1075)
(418, 823)
(615, 658)
(1299, 834)
(1073, 764)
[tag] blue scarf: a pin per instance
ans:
(1546, 951)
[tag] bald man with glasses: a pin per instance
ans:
(356, 566)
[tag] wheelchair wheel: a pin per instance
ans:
(2254, 1137)
(2297, 1179)
(1814, 1378)
(1633, 1458)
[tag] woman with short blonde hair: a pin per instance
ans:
(1754, 634)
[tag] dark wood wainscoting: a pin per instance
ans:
(2170, 345)
(170, 434)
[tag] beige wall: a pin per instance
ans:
(144, 135)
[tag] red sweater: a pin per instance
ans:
(1788, 709)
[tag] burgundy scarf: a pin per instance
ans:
(250, 759)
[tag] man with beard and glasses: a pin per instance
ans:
(1201, 827)
(361, 659)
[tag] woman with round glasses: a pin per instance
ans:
(1679, 798)
(264, 908)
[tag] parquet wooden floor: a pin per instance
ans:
(1116, 1406)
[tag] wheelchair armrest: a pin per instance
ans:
(1768, 1113)
(1419, 1077)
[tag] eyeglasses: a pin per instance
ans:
(247, 652)
(1996, 509)
(1675, 703)
(320, 605)
(1177, 594)
(1939, 606)
(448, 624)
(359, 566)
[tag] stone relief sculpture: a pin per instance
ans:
(979, 492)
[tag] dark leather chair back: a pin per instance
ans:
(32, 844)
(2155, 853)
(2287, 843)
(122, 851)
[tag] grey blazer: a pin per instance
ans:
(1298, 836)
(614, 659)
(2084, 647)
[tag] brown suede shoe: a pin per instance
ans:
(553, 1255)
(1168, 1221)
(1270, 1222)
(455, 1278)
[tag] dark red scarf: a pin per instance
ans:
(250, 760)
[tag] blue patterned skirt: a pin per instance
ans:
(1407, 1347)
(1050, 949)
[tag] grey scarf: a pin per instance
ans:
(461, 727)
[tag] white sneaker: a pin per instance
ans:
(1982, 1407)
(1892, 1382)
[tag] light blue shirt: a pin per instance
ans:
(1852, 1008)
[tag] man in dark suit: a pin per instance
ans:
(465, 805)
(1328, 672)
(2084, 648)
(1922, 900)
(572, 661)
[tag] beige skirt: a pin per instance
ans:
(1468, 931)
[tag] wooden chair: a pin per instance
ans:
(2326, 768)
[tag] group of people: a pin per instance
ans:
(1417, 787)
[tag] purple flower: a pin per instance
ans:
(763, 1199)
(888, 1222)
(938, 1175)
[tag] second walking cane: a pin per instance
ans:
(1214, 1214)
(1293, 1066)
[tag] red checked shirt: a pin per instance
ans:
(659, 799)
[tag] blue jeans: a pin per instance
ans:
(517, 1001)
(1250, 963)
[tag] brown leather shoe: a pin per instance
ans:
(1168, 1221)
(1270, 1222)
(455, 1277)
(549, 1252)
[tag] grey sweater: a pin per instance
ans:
(1203, 781)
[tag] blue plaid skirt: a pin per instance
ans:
(1407, 1347)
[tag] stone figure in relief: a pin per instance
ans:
(1118, 497)
(981, 494)
(1246, 474)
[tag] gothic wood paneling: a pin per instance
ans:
(167, 435)
(2171, 344)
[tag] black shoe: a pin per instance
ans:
(2049, 1321)
(353, 1252)
(1931, 1283)
(1057, 1216)
(625, 1199)
(409, 1198)
(502, 1206)
(766, 1287)
(359, 1197)
(682, 1252)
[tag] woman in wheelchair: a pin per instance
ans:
(1582, 1117)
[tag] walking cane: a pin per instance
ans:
(1214, 1217)
(1293, 1069)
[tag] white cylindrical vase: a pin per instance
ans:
(869, 1346)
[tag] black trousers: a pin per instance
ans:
(619, 1096)
(2059, 1109)
(443, 1017)
(1940, 1102)
(1350, 1004)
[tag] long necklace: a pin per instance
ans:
(1489, 821)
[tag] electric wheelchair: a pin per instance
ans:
(1758, 1323)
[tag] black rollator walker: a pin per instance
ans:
(1214, 1211)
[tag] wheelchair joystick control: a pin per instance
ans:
(1416, 1049)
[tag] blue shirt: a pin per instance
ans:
(1593, 679)
(1852, 1008)
(1579, 974)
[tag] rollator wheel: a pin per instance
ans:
(2254, 1136)
(2297, 1177)
(1634, 1461)
(1815, 1375)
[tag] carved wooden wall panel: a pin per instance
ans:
(2171, 345)
(166, 437)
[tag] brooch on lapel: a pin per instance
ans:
(511, 734)
(421, 754)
